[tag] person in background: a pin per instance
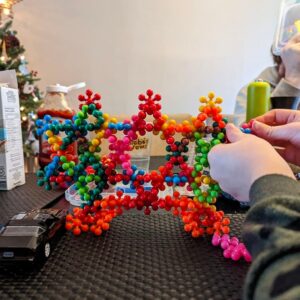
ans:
(251, 169)
(283, 77)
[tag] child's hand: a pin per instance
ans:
(281, 128)
(237, 165)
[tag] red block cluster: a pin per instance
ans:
(198, 218)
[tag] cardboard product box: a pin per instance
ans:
(12, 172)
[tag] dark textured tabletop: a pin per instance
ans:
(140, 257)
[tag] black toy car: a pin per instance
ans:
(30, 236)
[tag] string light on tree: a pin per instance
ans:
(6, 9)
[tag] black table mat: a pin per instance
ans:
(25, 197)
(140, 257)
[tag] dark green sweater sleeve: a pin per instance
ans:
(272, 235)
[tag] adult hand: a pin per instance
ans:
(237, 165)
(281, 128)
(290, 55)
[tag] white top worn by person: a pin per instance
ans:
(284, 78)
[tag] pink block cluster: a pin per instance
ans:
(232, 247)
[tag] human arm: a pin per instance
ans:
(250, 169)
(271, 233)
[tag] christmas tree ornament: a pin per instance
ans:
(24, 71)
(11, 41)
(28, 88)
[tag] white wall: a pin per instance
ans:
(180, 48)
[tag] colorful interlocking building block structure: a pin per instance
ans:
(199, 214)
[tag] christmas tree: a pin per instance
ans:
(12, 58)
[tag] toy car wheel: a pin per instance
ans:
(47, 250)
(43, 252)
